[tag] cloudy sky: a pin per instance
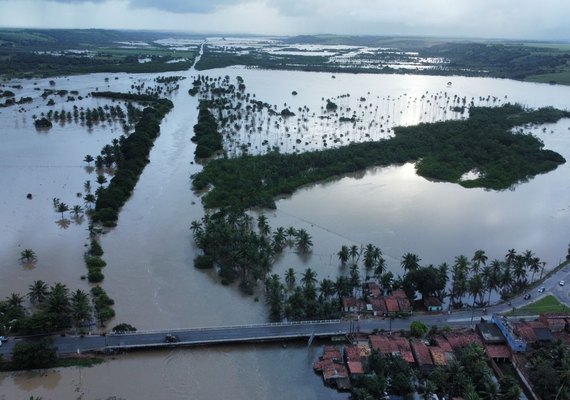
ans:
(518, 19)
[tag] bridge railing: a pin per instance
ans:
(211, 328)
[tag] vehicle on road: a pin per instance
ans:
(3, 339)
(526, 296)
(541, 290)
(561, 283)
(171, 338)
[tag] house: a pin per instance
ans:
(556, 322)
(374, 290)
(350, 304)
(422, 356)
(355, 368)
(490, 333)
(392, 305)
(438, 356)
(498, 352)
(393, 346)
(433, 304)
(378, 307)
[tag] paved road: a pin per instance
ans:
(280, 332)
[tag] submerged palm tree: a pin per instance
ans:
(38, 292)
(28, 256)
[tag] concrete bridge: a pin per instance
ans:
(272, 332)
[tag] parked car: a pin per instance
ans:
(541, 290)
(171, 338)
(561, 283)
(2, 339)
(526, 296)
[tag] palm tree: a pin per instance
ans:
(369, 256)
(410, 262)
(101, 180)
(28, 256)
(62, 207)
(478, 258)
(354, 253)
(263, 226)
(89, 199)
(290, 278)
(76, 210)
(535, 266)
(87, 186)
(15, 300)
(327, 288)
(58, 299)
(38, 292)
(89, 159)
(291, 233)
(510, 256)
(343, 255)
(380, 267)
(279, 238)
(304, 241)
(354, 277)
(519, 270)
(309, 277)
(80, 306)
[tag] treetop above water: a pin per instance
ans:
(484, 143)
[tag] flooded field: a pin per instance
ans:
(149, 256)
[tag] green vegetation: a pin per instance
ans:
(445, 150)
(42, 52)
(547, 304)
(561, 77)
(548, 371)
(207, 138)
(134, 151)
(32, 355)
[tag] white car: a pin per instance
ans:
(561, 283)
(541, 290)
(2, 339)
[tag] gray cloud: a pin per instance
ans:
(184, 6)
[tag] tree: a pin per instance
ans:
(263, 225)
(304, 241)
(38, 292)
(369, 253)
(279, 238)
(418, 329)
(410, 262)
(354, 253)
(89, 159)
(509, 388)
(290, 278)
(476, 288)
(510, 256)
(354, 278)
(80, 307)
(101, 180)
(28, 256)
(124, 328)
(62, 208)
(343, 255)
(77, 209)
(478, 258)
(31, 355)
(309, 277)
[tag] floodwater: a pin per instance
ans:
(149, 255)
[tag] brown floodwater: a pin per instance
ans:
(149, 256)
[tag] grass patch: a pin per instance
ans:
(545, 305)
(561, 78)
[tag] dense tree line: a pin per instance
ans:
(549, 372)
(52, 309)
(446, 151)
(206, 136)
(134, 151)
(230, 242)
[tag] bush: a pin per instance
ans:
(95, 262)
(95, 275)
(418, 329)
(203, 262)
(122, 328)
(40, 354)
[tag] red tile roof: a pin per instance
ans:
(332, 370)
(352, 353)
(438, 356)
(331, 353)
(432, 302)
(462, 339)
(392, 304)
(399, 294)
(355, 368)
(352, 302)
(443, 344)
(421, 353)
(390, 345)
(378, 305)
(498, 351)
